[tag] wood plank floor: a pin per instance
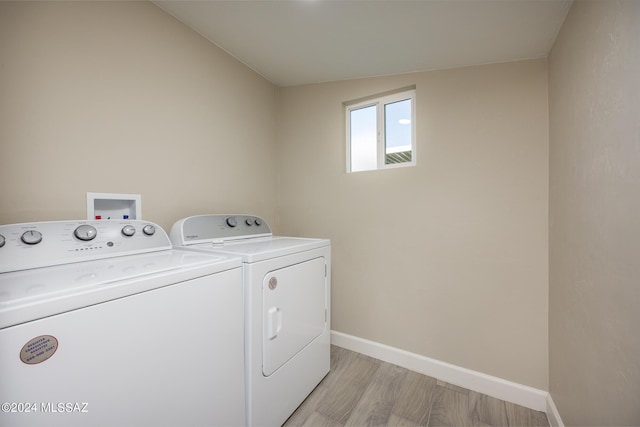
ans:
(362, 391)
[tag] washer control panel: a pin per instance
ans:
(41, 244)
(216, 228)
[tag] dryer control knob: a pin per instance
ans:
(31, 237)
(231, 221)
(128, 230)
(258, 222)
(2, 240)
(85, 232)
(149, 230)
(249, 222)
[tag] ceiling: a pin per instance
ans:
(294, 42)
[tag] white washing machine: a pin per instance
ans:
(102, 323)
(287, 284)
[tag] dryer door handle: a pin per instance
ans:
(274, 322)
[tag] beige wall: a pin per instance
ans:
(120, 97)
(594, 322)
(447, 259)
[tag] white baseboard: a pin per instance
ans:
(552, 413)
(509, 391)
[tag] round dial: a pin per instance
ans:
(149, 230)
(85, 232)
(258, 222)
(128, 230)
(31, 237)
(2, 240)
(249, 222)
(231, 221)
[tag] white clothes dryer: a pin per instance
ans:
(287, 284)
(102, 323)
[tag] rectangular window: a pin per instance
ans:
(381, 132)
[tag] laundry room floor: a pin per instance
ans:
(363, 391)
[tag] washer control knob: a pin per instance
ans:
(2, 240)
(258, 222)
(31, 237)
(149, 230)
(231, 221)
(85, 232)
(128, 230)
(249, 222)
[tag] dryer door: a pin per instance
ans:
(293, 311)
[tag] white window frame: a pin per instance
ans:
(380, 102)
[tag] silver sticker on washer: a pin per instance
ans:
(38, 349)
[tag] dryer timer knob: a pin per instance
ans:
(231, 221)
(149, 230)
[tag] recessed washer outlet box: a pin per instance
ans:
(114, 206)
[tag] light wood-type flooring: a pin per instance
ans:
(362, 391)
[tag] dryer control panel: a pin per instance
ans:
(41, 244)
(214, 228)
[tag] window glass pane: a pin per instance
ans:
(397, 126)
(364, 139)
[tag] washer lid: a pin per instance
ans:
(262, 248)
(32, 294)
